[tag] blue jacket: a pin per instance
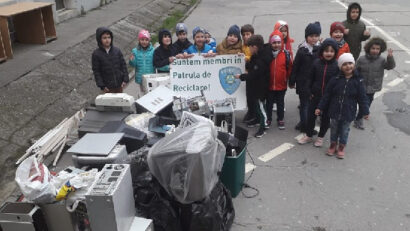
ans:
(342, 96)
(193, 50)
(142, 62)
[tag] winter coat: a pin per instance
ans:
(110, 69)
(372, 70)
(342, 96)
(212, 43)
(343, 49)
(142, 62)
(194, 50)
(247, 52)
(224, 49)
(322, 70)
(162, 54)
(181, 46)
(257, 78)
(301, 68)
(288, 40)
(280, 67)
(356, 28)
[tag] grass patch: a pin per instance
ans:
(169, 23)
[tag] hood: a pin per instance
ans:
(328, 42)
(351, 6)
(161, 35)
(278, 33)
(100, 31)
(378, 41)
(279, 24)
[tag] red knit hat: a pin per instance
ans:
(336, 26)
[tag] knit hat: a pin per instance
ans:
(345, 58)
(336, 26)
(313, 28)
(235, 30)
(328, 42)
(275, 38)
(144, 34)
(197, 30)
(181, 27)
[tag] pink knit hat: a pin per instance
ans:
(144, 34)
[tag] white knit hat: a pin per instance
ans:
(345, 58)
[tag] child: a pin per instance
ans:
(108, 64)
(141, 59)
(232, 44)
(371, 66)
(257, 77)
(336, 33)
(209, 40)
(165, 53)
(283, 27)
(247, 31)
(280, 69)
(302, 64)
(182, 43)
(355, 31)
(342, 95)
(199, 46)
(323, 70)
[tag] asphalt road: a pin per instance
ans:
(300, 188)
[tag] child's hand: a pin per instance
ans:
(123, 84)
(209, 54)
(237, 76)
(346, 32)
(171, 59)
(106, 90)
(132, 57)
(366, 117)
(187, 56)
(317, 112)
(366, 33)
(390, 52)
(291, 86)
(241, 54)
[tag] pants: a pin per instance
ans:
(261, 114)
(250, 102)
(311, 120)
(140, 92)
(339, 131)
(370, 98)
(277, 97)
(303, 110)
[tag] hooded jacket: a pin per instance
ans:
(356, 28)
(179, 46)
(288, 41)
(322, 70)
(193, 49)
(110, 69)
(342, 96)
(162, 54)
(372, 67)
(279, 68)
(302, 66)
(343, 48)
(142, 61)
(224, 49)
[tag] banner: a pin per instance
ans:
(214, 76)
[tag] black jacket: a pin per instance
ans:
(342, 96)
(322, 72)
(162, 54)
(110, 70)
(302, 66)
(257, 78)
(179, 46)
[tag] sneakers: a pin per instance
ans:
(332, 149)
(340, 151)
(260, 133)
(281, 124)
(252, 123)
(358, 124)
(268, 123)
(305, 139)
(318, 142)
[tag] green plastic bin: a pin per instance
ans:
(233, 172)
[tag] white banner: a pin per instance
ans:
(214, 76)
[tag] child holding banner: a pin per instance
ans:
(257, 77)
(165, 53)
(199, 47)
(232, 44)
(210, 40)
(182, 43)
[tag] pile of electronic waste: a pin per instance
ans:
(146, 164)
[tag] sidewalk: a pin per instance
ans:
(44, 84)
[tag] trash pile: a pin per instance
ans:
(151, 164)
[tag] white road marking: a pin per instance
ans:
(395, 82)
(407, 61)
(381, 31)
(380, 93)
(275, 152)
(249, 167)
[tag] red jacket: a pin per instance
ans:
(344, 49)
(279, 68)
(289, 40)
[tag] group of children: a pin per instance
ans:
(329, 81)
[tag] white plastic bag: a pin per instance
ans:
(34, 181)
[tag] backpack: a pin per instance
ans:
(287, 54)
